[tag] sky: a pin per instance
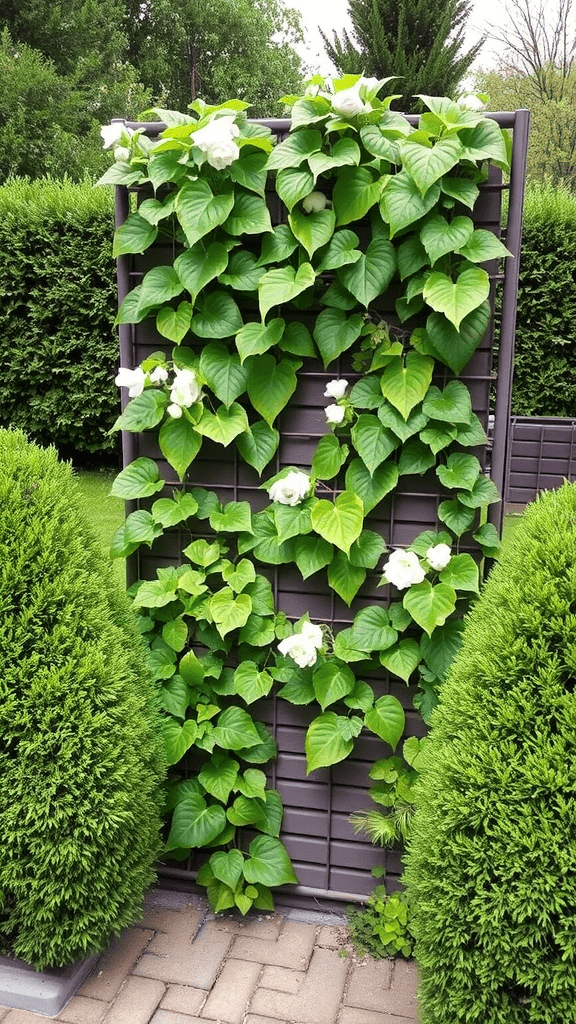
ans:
(333, 14)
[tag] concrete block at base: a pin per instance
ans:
(46, 992)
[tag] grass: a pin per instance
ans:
(104, 512)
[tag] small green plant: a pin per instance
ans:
(80, 761)
(382, 928)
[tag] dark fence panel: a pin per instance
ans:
(542, 456)
(330, 860)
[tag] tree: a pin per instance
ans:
(216, 49)
(538, 71)
(420, 41)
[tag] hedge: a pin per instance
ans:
(545, 355)
(58, 348)
(491, 866)
(80, 760)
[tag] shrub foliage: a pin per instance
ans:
(544, 365)
(79, 758)
(57, 347)
(491, 868)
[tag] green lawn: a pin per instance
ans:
(104, 513)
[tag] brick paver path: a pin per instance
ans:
(181, 965)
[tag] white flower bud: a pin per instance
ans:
(303, 646)
(314, 202)
(336, 388)
(348, 102)
(134, 380)
(121, 153)
(403, 569)
(291, 489)
(159, 375)
(335, 414)
(438, 556)
(470, 102)
(185, 389)
(175, 411)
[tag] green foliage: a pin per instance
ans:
(421, 42)
(57, 347)
(51, 120)
(80, 763)
(544, 369)
(382, 928)
(216, 49)
(490, 868)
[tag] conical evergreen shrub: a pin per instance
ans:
(491, 866)
(80, 763)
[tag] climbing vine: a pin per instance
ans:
(372, 203)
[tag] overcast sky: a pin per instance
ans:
(333, 14)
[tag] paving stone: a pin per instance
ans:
(401, 999)
(255, 1018)
(293, 947)
(370, 984)
(282, 979)
(197, 966)
(174, 930)
(332, 937)
(168, 1017)
(354, 1015)
(83, 1011)
(183, 999)
(318, 999)
(229, 998)
(25, 1017)
(267, 928)
(112, 968)
(136, 1002)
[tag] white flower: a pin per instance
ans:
(303, 647)
(470, 102)
(114, 133)
(335, 388)
(121, 153)
(175, 411)
(132, 379)
(216, 140)
(314, 202)
(291, 489)
(348, 102)
(335, 414)
(403, 569)
(185, 389)
(159, 375)
(438, 556)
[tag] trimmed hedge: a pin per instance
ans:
(545, 355)
(80, 761)
(491, 866)
(58, 348)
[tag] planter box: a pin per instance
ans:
(46, 992)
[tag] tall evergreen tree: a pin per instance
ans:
(420, 41)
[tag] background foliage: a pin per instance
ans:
(544, 366)
(57, 346)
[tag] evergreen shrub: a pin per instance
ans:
(58, 349)
(80, 764)
(491, 866)
(544, 365)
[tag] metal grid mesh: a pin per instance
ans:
(329, 858)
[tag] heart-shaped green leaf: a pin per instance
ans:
(332, 682)
(355, 192)
(134, 235)
(339, 523)
(222, 372)
(313, 230)
(235, 729)
(282, 285)
(199, 210)
(258, 445)
(425, 164)
(404, 383)
(218, 775)
(461, 573)
(345, 578)
(256, 338)
(218, 316)
(292, 184)
(371, 487)
(199, 265)
(268, 863)
(457, 298)
(386, 719)
(270, 385)
(440, 236)
(455, 347)
(460, 471)
(179, 443)
(223, 425)
(430, 605)
(324, 743)
(372, 441)
(334, 333)
(402, 203)
(370, 275)
(139, 479)
(452, 405)
(402, 659)
(229, 612)
(194, 823)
